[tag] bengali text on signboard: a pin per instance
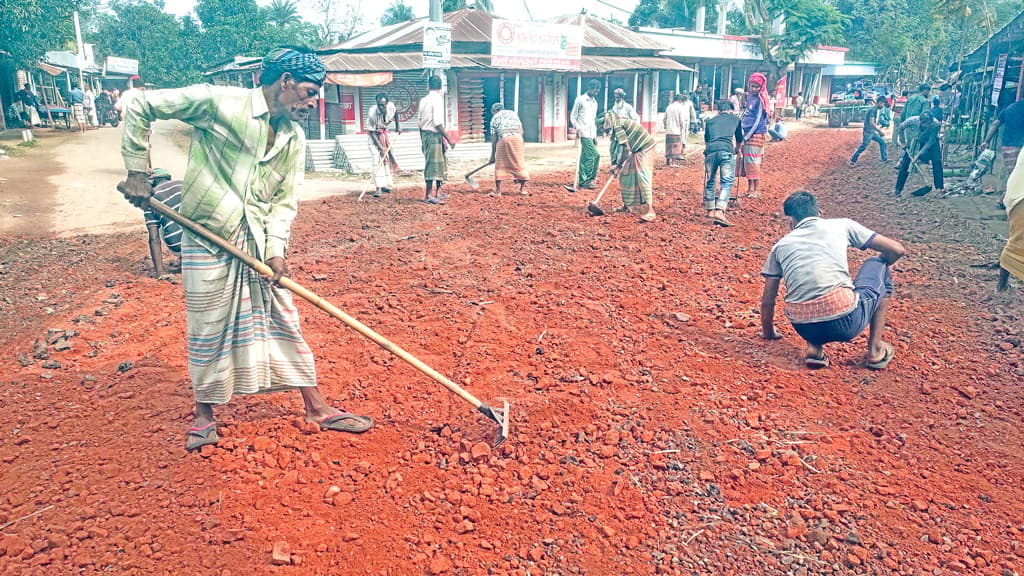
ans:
(534, 45)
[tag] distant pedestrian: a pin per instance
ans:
(737, 100)
(89, 103)
(937, 112)
(926, 142)
(798, 106)
(720, 137)
(584, 120)
(872, 133)
(633, 161)
(778, 131)
(1011, 120)
(679, 116)
(378, 120)
(917, 103)
(622, 108)
(77, 100)
(434, 141)
(508, 149)
(822, 302)
(754, 122)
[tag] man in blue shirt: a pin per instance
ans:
(77, 100)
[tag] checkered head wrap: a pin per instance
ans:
(302, 65)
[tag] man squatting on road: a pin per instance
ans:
(822, 302)
(245, 168)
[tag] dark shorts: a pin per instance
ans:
(872, 284)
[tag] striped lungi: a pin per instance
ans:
(435, 162)
(79, 111)
(382, 177)
(636, 179)
(1012, 257)
(590, 160)
(673, 147)
(243, 332)
(749, 165)
(1009, 154)
(510, 159)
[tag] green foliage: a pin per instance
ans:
(789, 30)
(29, 28)
(453, 5)
(283, 12)
(673, 13)
(397, 12)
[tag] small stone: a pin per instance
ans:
(343, 499)
(440, 565)
(281, 555)
(706, 476)
(350, 536)
(536, 554)
(480, 451)
(607, 531)
(125, 366)
(465, 526)
(920, 505)
(681, 317)
(52, 365)
(264, 444)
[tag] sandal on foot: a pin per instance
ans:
(649, 217)
(721, 221)
(346, 422)
(433, 200)
(196, 438)
(890, 352)
(624, 209)
(819, 361)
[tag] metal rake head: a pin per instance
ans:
(501, 417)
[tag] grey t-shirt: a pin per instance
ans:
(811, 259)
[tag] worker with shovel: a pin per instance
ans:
(380, 117)
(507, 149)
(242, 182)
(633, 161)
(926, 142)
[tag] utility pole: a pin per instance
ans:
(80, 57)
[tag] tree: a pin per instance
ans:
(672, 13)
(397, 12)
(28, 28)
(283, 12)
(144, 32)
(453, 5)
(789, 30)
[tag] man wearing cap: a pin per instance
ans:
(244, 172)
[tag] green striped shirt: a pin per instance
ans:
(231, 179)
(632, 132)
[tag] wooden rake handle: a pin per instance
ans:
(373, 174)
(316, 301)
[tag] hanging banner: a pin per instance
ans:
(360, 80)
(997, 81)
(437, 45)
(125, 66)
(535, 45)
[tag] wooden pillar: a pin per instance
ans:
(323, 115)
(516, 98)
(677, 82)
(606, 92)
(636, 85)
(501, 88)
(579, 85)
(1020, 81)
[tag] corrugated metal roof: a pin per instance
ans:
(398, 61)
(598, 33)
(236, 64)
(475, 26)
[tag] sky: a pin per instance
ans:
(511, 9)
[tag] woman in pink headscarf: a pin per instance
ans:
(754, 124)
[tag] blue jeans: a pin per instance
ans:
(873, 282)
(724, 163)
(870, 137)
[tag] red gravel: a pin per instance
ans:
(653, 430)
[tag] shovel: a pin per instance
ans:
(373, 174)
(576, 176)
(592, 208)
(923, 189)
(472, 181)
(498, 415)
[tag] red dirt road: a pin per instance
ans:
(654, 432)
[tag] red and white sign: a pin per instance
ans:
(535, 46)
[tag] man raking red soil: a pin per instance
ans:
(822, 302)
(244, 171)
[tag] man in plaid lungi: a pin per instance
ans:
(822, 302)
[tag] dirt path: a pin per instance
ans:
(654, 431)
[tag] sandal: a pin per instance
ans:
(196, 438)
(433, 200)
(721, 221)
(819, 361)
(890, 352)
(346, 422)
(649, 217)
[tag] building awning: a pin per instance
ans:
(50, 68)
(401, 61)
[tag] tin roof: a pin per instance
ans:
(397, 61)
(236, 64)
(474, 26)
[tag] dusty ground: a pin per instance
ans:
(653, 430)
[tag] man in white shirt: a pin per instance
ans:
(126, 97)
(823, 303)
(584, 120)
(434, 141)
(678, 116)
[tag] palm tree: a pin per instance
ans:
(399, 11)
(283, 12)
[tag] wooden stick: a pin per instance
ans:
(25, 517)
(317, 301)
